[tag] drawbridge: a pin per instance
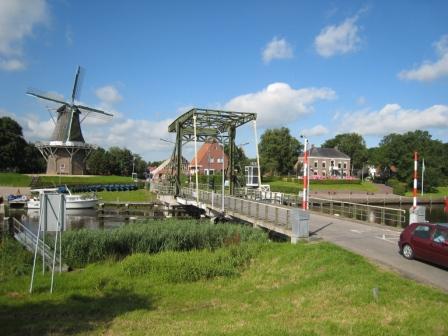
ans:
(199, 125)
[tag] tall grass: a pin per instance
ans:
(14, 259)
(86, 246)
(174, 266)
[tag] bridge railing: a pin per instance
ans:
(277, 215)
(362, 212)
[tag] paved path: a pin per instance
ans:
(378, 243)
(5, 191)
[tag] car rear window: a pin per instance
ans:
(422, 231)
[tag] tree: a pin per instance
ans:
(278, 151)
(351, 144)
(97, 162)
(397, 150)
(12, 145)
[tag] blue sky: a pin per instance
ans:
(317, 67)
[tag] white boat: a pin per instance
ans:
(71, 201)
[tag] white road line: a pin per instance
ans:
(391, 240)
(356, 231)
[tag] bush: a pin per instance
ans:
(399, 188)
(172, 266)
(322, 181)
(86, 246)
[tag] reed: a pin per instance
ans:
(87, 246)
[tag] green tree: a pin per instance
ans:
(12, 145)
(351, 144)
(398, 150)
(278, 151)
(97, 162)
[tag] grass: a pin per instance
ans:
(140, 195)
(22, 180)
(293, 187)
(61, 179)
(441, 192)
(306, 289)
(14, 180)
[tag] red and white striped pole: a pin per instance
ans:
(414, 203)
(305, 176)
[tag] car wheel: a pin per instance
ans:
(408, 252)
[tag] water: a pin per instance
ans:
(436, 213)
(80, 218)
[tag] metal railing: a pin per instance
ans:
(357, 211)
(29, 240)
(277, 215)
(361, 212)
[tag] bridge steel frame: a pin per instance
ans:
(209, 123)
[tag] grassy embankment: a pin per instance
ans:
(14, 180)
(440, 193)
(294, 187)
(61, 179)
(22, 180)
(140, 195)
(241, 288)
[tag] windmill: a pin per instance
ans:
(67, 151)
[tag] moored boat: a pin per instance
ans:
(71, 201)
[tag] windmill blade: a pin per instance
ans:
(89, 109)
(77, 84)
(45, 96)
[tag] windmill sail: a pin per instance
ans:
(66, 152)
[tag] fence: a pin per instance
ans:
(341, 208)
(29, 240)
(362, 212)
(277, 215)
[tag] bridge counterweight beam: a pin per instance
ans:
(231, 166)
(178, 158)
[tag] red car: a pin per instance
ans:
(426, 241)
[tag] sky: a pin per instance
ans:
(320, 68)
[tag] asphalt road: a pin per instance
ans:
(379, 244)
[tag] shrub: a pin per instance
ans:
(86, 246)
(399, 188)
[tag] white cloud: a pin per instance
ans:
(361, 100)
(277, 49)
(17, 20)
(429, 71)
(11, 64)
(315, 131)
(140, 136)
(341, 39)
(35, 129)
(278, 104)
(108, 94)
(392, 118)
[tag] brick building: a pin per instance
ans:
(327, 163)
(210, 157)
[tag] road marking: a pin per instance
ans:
(356, 231)
(392, 240)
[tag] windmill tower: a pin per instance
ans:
(67, 151)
